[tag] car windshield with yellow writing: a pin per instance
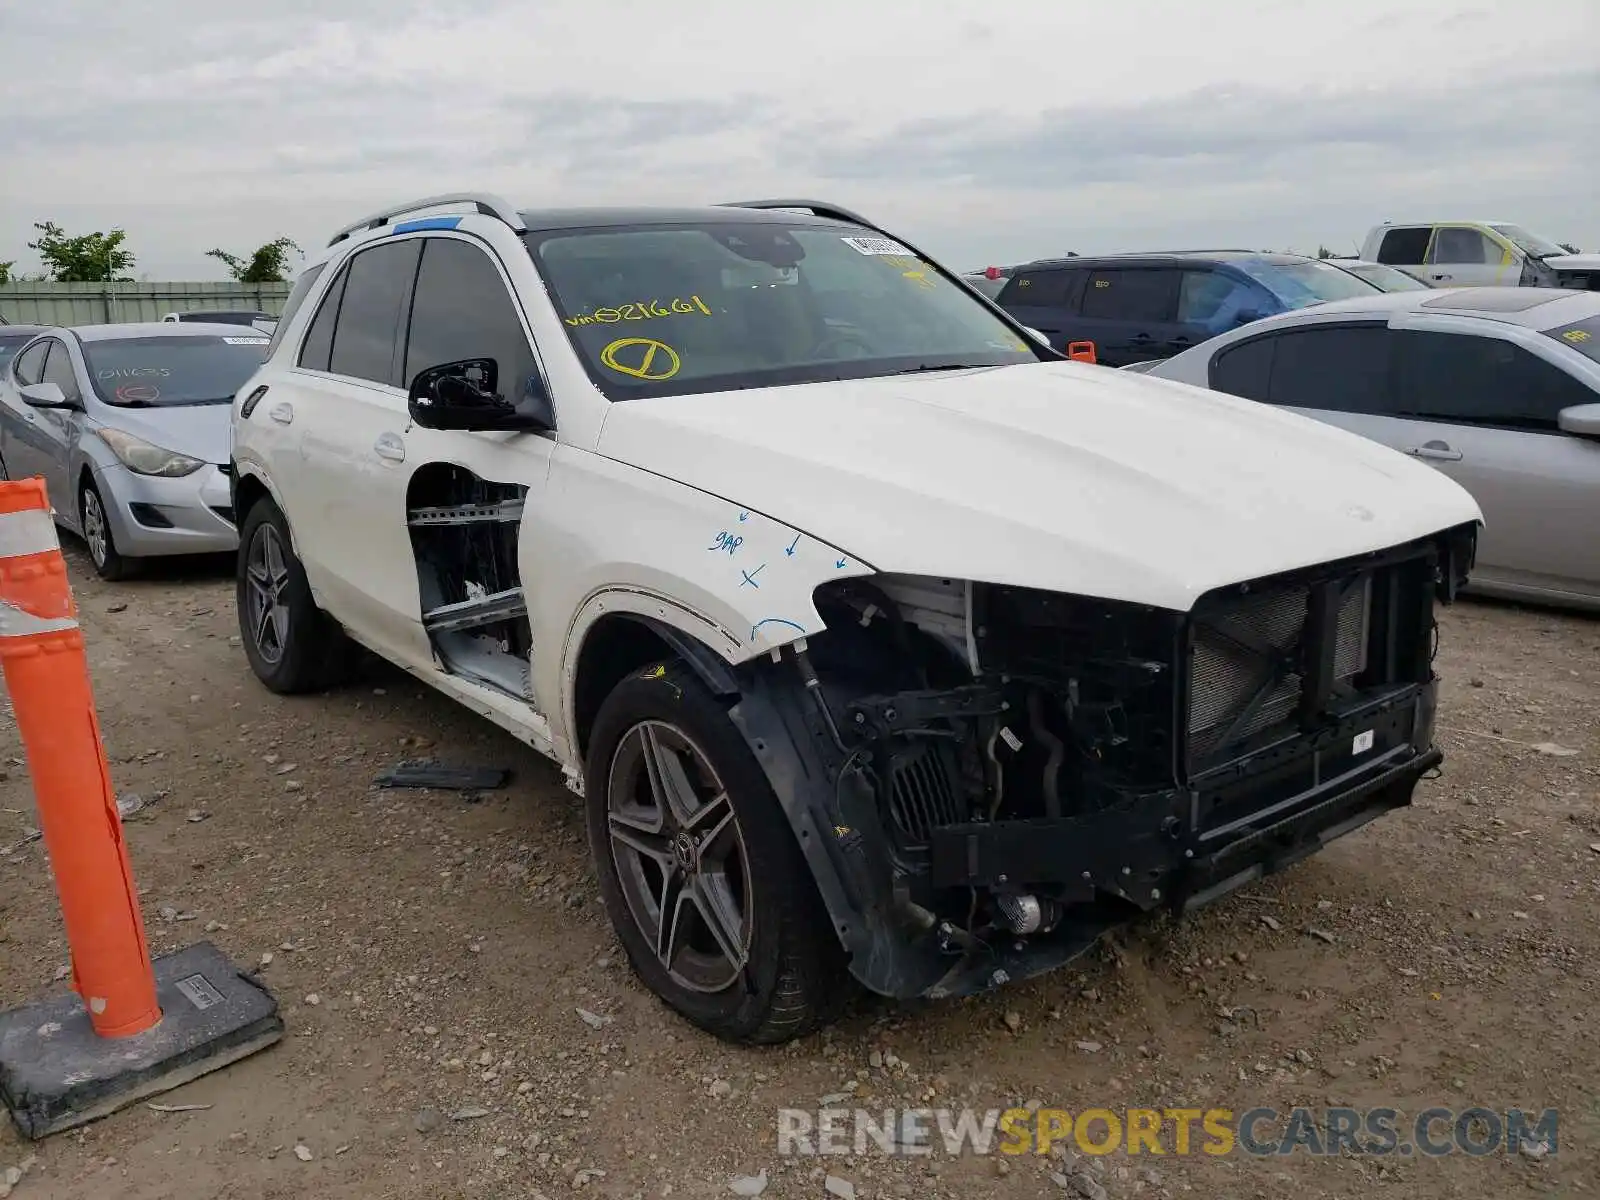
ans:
(664, 310)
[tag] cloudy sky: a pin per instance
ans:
(986, 132)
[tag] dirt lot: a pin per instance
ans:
(431, 953)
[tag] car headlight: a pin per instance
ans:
(140, 457)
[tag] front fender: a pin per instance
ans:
(606, 537)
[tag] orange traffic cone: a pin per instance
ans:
(47, 674)
(136, 1027)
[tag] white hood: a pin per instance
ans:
(1060, 476)
(1573, 262)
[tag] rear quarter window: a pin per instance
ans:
(1582, 336)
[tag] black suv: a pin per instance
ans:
(1138, 307)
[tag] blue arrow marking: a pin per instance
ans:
(774, 621)
(839, 566)
(750, 576)
(744, 516)
(792, 545)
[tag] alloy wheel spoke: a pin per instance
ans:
(636, 832)
(674, 902)
(713, 828)
(720, 914)
(669, 782)
(264, 623)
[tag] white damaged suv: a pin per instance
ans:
(881, 641)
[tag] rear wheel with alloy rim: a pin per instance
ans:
(292, 645)
(97, 536)
(699, 869)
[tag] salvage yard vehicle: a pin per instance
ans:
(129, 426)
(253, 317)
(1499, 388)
(1138, 307)
(880, 641)
(1479, 254)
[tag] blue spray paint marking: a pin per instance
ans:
(744, 516)
(774, 621)
(839, 566)
(726, 541)
(792, 545)
(750, 576)
(426, 223)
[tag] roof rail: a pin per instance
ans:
(483, 202)
(820, 208)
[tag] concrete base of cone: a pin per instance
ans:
(56, 1073)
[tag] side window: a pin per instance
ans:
(1481, 381)
(58, 370)
(1244, 370)
(1131, 294)
(318, 346)
(1455, 244)
(29, 366)
(1216, 300)
(1404, 247)
(461, 309)
(366, 338)
(1339, 368)
(1045, 288)
(297, 297)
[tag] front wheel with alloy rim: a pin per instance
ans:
(108, 560)
(292, 645)
(699, 869)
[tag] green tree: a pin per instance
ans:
(88, 258)
(269, 263)
(5, 271)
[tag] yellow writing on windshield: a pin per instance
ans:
(644, 311)
(913, 270)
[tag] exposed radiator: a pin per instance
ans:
(1245, 674)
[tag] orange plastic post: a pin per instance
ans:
(47, 674)
(1081, 352)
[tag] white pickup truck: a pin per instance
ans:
(1479, 254)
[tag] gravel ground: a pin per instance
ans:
(432, 952)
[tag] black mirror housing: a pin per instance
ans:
(464, 395)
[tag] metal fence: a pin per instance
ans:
(103, 303)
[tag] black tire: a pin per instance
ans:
(109, 562)
(793, 976)
(297, 647)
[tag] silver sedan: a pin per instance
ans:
(129, 426)
(1499, 388)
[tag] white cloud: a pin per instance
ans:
(985, 133)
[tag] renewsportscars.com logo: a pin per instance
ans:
(1263, 1132)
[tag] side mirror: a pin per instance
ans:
(465, 395)
(1036, 335)
(1082, 352)
(44, 395)
(1581, 420)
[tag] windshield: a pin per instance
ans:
(661, 310)
(1528, 243)
(145, 372)
(1582, 336)
(1390, 279)
(1298, 284)
(9, 345)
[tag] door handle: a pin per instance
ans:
(389, 446)
(1141, 339)
(1180, 340)
(282, 413)
(1435, 450)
